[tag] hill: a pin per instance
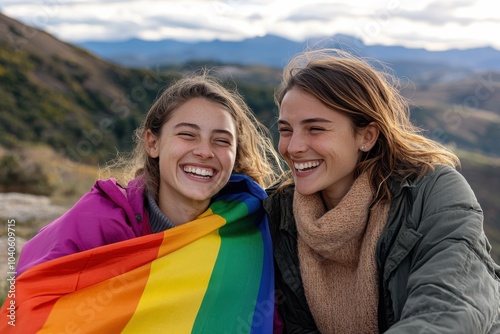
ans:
(62, 95)
(69, 111)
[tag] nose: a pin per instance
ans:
(295, 143)
(203, 149)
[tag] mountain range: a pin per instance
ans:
(275, 51)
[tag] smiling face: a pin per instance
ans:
(319, 145)
(196, 150)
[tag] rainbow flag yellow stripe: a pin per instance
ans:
(211, 275)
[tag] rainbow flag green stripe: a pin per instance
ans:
(212, 275)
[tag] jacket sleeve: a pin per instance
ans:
(452, 285)
(93, 221)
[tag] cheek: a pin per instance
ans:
(282, 145)
(228, 158)
(232, 160)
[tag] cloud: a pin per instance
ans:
(441, 13)
(322, 12)
(438, 14)
(432, 24)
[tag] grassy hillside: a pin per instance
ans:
(68, 179)
(483, 174)
(57, 94)
(462, 113)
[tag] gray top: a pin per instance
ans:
(157, 219)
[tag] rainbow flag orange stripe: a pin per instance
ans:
(212, 275)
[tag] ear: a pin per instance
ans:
(152, 143)
(368, 136)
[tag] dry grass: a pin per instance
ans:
(70, 179)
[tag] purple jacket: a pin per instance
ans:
(108, 213)
(105, 215)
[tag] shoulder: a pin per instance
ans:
(443, 181)
(104, 195)
(444, 185)
(440, 173)
(279, 207)
(440, 201)
(446, 208)
(106, 210)
(244, 183)
(103, 201)
(279, 195)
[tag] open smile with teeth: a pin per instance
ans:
(306, 165)
(199, 172)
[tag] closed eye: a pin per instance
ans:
(284, 129)
(186, 135)
(223, 142)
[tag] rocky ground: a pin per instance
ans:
(22, 215)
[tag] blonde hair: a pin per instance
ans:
(352, 86)
(255, 155)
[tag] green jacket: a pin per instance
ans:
(435, 271)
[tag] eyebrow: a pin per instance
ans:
(307, 121)
(197, 127)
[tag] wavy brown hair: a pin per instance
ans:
(350, 85)
(255, 153)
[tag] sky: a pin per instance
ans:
(430, 24)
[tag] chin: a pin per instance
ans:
(201, 197)
(305, 190)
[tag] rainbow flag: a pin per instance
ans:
(211, 275)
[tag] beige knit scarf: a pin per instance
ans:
(337, 258)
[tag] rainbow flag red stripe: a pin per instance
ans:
(212, 275)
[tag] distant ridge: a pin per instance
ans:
(275, 51)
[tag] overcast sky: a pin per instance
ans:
(430, 24)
